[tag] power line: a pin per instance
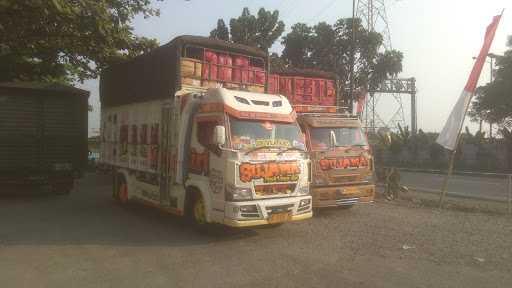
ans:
(322, 11)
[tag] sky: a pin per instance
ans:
(438, 39)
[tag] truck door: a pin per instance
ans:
(214, 165)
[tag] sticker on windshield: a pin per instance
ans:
(273, 143)
(245, 142)
(270, 172)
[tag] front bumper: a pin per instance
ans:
(234, 217)
(331, 196)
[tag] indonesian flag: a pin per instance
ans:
(448, 136)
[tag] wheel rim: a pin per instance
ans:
(123, 193)
(199, 211)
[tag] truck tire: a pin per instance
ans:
(195, 209)
(199, 210)
(120, 189)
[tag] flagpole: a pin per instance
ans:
(446, 178)
(450, 166)
(452, 159)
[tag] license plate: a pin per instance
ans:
(279, 218)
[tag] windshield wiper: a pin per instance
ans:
(258, 148)
(290, 149)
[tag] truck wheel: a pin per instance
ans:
(198, 212)
(123, 192)
(120, 189)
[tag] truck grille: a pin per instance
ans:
(347, 178)
(274, 189)
(279, 209)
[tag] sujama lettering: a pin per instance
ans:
(343, 162)
(270, 172)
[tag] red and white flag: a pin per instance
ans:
(448, 136)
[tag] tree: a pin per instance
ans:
(221, 32)
(492, 102)
(259, 31)
(68, 40)
(276, 62)
(329, 47)
(297, 45)
(324, 47)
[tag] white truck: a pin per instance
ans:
(215, 155)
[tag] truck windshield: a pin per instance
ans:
(247, 134)
(345, 136)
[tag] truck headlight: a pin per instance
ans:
(304, 203)
(233, 193)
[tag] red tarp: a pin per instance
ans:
(225, 67)
(304, 90)
(240, 69)
(209, 70)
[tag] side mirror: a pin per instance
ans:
(219, 135)
(332, 139)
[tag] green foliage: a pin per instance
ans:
(297, 45)
(260, 31)
(474, 151)
(68, 40)
(277, 62)
(329, 48)
(221, 32)
(492, 102)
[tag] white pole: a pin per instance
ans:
(510, 194)
(446, 178)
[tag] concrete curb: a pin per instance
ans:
(454, 194)
(460, 173)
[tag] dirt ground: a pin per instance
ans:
(87, 240)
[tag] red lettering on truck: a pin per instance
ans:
(343, 162)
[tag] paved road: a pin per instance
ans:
(87, 240)
(470, 186)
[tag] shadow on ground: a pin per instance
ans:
(89, 216)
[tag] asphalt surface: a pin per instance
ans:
(493, 188)
(87, 240)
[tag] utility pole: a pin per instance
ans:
(491, 56)
(491, 79)
(352, 56)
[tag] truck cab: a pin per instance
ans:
(342, 163)
(245, 156)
